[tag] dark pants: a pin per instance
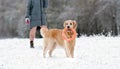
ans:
(38, 35)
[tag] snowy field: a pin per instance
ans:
(96, 52)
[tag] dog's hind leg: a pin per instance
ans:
(45, 49)
(51, 49)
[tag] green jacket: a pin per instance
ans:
(36, 12)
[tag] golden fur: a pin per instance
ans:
(53, 37)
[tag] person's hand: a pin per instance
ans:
(27, 21)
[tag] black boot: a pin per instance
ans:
(31, 44)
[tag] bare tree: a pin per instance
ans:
(92, 16)
(114, 15)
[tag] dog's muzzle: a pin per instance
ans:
(68, 27)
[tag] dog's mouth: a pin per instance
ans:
(69, 32)
(68, 28)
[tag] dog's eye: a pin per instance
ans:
(70, 23)
(66, 24)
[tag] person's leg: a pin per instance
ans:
(32, 36)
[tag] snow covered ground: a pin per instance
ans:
(96, 52)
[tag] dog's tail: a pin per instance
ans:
(44, 32)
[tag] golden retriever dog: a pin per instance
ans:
(53, 38)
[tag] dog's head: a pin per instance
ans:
(70, 24)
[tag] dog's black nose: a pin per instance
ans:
(68, 26)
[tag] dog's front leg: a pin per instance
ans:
(72, 49)
(72, 52)
(67, 47)
(66, 50)
(66, 53)
(44, 50)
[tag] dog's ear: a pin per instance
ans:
(64, 24)
(74, 24)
